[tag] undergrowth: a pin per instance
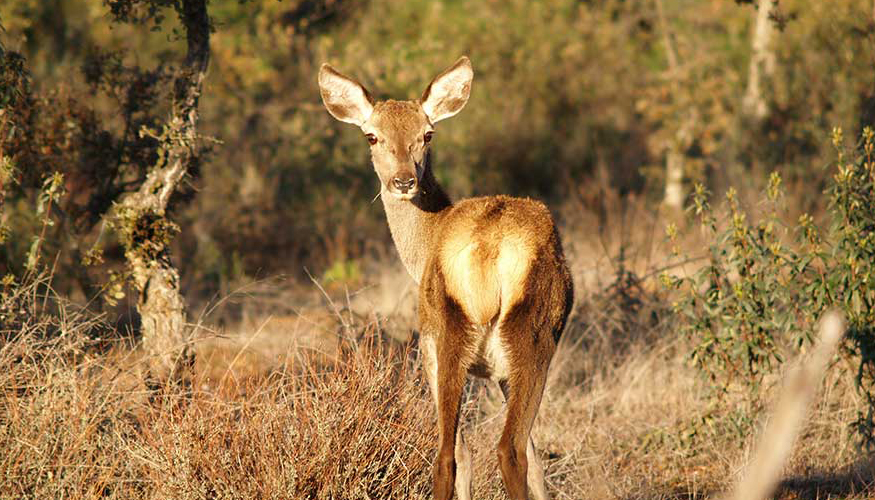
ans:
(766, 284)
(76, 420)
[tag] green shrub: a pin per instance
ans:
(849, 281)
(763, 291)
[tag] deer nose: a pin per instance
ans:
(404, 183)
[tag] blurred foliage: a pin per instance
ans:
(761, 293)
(570, 98)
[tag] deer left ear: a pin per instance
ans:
(346, 99)
(448, 93)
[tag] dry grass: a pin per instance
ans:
(76, 422)
(319, 402)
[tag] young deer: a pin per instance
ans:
(494, 289)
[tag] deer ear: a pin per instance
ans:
(448, 93)
(344, 97)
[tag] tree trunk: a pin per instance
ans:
(142, 216)
(675, 161)
(762, 62)
(673, 198)
(674, 177)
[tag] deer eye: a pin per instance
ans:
(372, 139)
(427, 137)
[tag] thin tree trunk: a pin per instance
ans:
(142, 216)
(674, 177)
(674, 156)
(670, 51)
(762, 62)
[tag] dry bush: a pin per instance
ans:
(351, 430)
(372, 410)
(77, 422)
(60, 426)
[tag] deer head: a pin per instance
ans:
(399, 132)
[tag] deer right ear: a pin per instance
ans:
(344, 97)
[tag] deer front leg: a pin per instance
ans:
(462, 455)
(535, 473)
(463, 467)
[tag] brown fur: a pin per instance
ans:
(494, 292)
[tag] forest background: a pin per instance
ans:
(575, 101)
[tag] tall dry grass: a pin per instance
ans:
(271, 419)
(77, 422)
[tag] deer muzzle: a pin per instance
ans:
(404, 185)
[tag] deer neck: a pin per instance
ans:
(413, 223)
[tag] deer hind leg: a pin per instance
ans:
(442, 320)
(522, 407)
(462, 455)
(451, 379)
(535, 470)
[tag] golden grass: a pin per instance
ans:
(76, 425)
(278, 411)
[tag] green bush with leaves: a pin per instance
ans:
(850, 279)
(766, 284)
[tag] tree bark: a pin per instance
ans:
(142, 215)
(762, 62)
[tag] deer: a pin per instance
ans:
(494, 290)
